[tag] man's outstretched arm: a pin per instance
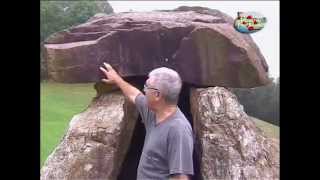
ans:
(113, 77)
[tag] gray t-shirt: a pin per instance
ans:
(168, 146)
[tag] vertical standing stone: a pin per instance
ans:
(232, 147)
(95, 143)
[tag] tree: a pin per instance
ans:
(261, 102)
(59, 15)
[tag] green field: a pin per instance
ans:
(269, 129)
(60, 102)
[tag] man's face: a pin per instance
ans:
(152, 93)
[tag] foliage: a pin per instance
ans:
(59, 15)
(261, 102)
(56, 16)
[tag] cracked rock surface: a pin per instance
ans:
(200, 43)
(228, 145)
(232, 147)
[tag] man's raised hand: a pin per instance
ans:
(110, 73)
(128, 90)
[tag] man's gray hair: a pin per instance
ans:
(168, 82)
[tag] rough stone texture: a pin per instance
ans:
(200, 43)
(95, 143)
(231, 146)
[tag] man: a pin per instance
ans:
(168, 145)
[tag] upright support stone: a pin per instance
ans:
(96, 142)
(232, 147)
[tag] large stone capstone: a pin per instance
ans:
(200, 43)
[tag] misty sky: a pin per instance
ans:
(267, 39)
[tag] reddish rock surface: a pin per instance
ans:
(200, 43)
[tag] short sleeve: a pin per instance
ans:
(142, 106)
(180, 151)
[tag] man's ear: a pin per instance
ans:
(158, 95)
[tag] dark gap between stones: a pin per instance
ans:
(130, 165)
(184, 105)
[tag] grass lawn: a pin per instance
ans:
(270, 129)
(60, 102)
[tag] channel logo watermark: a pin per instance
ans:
(249, 22)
